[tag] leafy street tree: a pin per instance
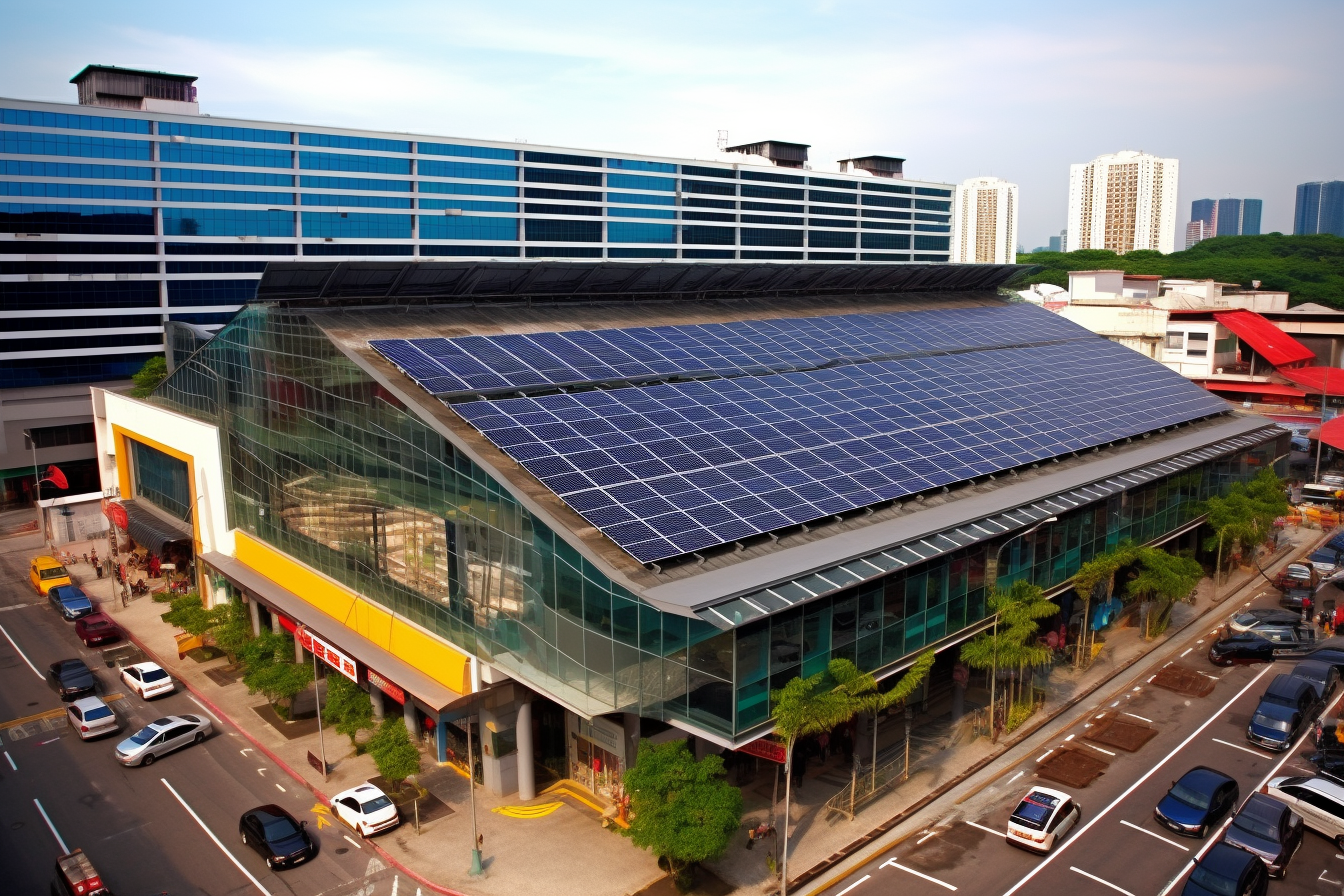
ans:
(826, 700)
(682, 810)
(392, 751)
(1244, 517)
(1012, 641)
(234, 631)
(189, 614)
(148, 377)
(1163, 579)
(347, 708)
(267, 668)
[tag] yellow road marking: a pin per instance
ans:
(539, 811)
(52, 713)
(321, 812)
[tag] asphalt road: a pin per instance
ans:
(1118, 848)
(171, 828)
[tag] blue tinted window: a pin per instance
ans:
(101, 219)
(473, 152)
(540, 208)
(841, 184)
(634, 165)
(216, 132)
(357, 225)
(247, 196)
(883, 256)
(571, 195)
(707, 236)
(761, 236)
(830, 222)
(636, 198)
(885, 225)
(641, 253)
(77, 191)
(75, 294)
(429, 251)
(563, 231)
(708, 253)
(434, 186)
(616, 212)
(638, 182)
(242, 156)
(702, 202)
(204, 319)
(933, 205)
(931, 243)
(708, 216)
(886, 201)
(24, 144)
(557, 158)
(825, 196)
(557, 176)
(335, 161)
(251, 178)
(630, 232)
(373, 143)
(756, 192)
(467, 227)
(700, 186)
(468, 170)
(75, 122)
(837, 212)
(470, 205)
(698, 171)
(17, 168)
(830, 256)
(354, 183)
(18, 373)
(183, 293)
(216, 267)
(357, 249)
(930, 191)
(771, 255)
(773, 177)
(770, 207)
(879, 187)
(563, 252)
(771, 219)
(918, 257)
(886, 241)
(229, 249)
(934, 228)
(827, 239)
(227, 222)
(364, 201)
(882, 213)
(924, 216)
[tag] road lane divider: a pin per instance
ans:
(1044, 863)
(933, 880)
(1130, 824)
(1228, 743)
(211, 834)
(987, 830)
(853, 885)
(1102, 881)
(55, 833)
(11, 761)
(21, 653)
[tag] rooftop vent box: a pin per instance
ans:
(785, 155)
(878, 166)
(133, 88)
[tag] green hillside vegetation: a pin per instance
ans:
(1311, 268)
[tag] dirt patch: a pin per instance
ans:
(205, 654)
(225, 675)
(1072, 768)
(1183, 680)
(1120, 733)
(707, 883)
(289, 730)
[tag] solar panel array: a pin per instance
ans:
(485, 364)
(671, 468)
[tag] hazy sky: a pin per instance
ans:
(1246, 94)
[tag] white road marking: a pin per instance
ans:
(1104, 883)
(933, 880)
(211, 835)
(1137, 784)
(1115, 704)
(841, 893)
(193, 699)
(1069, 738)
(983, 828)
(1151, 834)
(1150, 679)
(1098, 749)
(11, 761)
(55, 833)
(1187, 650)
(21, 653)
(281, 789)
(246, 750)
(926, 837)
(45, 742)
(1240, 747)
(353, 843)
(1140, 718)
(262, 771)
(1045, 754)
(1016, 776)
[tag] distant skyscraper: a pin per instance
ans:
(1196, 232)
(1222, 217)
(1122, 202)
(1250, 216)
(1320, 208)
(1056, 244)
(984, 222)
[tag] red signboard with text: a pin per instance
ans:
(328, 654)
(386, 687)
(765, 749)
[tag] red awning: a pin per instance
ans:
(1332, 433)
(1316, 379)
(1271, 343)
(1256, 389)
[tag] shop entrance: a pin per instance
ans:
(597, 755)
(548, 740)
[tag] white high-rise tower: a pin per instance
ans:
(1122, 202)
(984, 222)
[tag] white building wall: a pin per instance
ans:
(1154, 213)
(971, 243)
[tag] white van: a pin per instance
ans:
(1320, 802)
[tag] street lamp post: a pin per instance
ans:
(317, 698)
(37, 486)
(471, 786)
(994, 677)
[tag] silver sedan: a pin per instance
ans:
(162, 736)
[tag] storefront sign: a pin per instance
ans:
(386, 687)
(765, 749)
(603, 733)
(328, 654)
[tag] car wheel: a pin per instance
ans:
(1339, 841)
(200, 736)
(149, 759)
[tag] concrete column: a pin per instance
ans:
(255, 613)
(441, 739)
(377, 699)
(298, 651)
(527, 776)
(631, 722)
(275, 624)
(408, 716)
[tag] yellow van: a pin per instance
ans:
(47, 573)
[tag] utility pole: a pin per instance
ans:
(317, 698)
(471, 785)
(1320, 442)
(37, 486)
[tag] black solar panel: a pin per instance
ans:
(667, 469)
(522, 361)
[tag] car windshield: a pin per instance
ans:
(55, 572)
(1190, 797)
(373, 805)
(98, 712)
(1267, 721)
(1262, 829)
(148, 675)
(1034, 811)
(279, 829)
(1214, 883)
(143, 736)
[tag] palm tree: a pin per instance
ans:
(1012, 642)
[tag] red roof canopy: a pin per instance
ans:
(1332, 433)
(1256, 388)
(1316, 379)
(1271, 343)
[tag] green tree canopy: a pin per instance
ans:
(268, 668)
(680, 809)
(347, 707)
(189, 614)
(393, 752)
(148, 377)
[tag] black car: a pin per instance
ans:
(276, 836)
(1286, 708)
(1264, 616)
(1241, 649)
(1227, 871)
(1196, 802)
(1268, 828)
(1323, 675)
(71, 679)
(1330, 650)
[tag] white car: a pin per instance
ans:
(90, 717)
(148, 680)
(366, 809)
(162, 736)
(1042, 819)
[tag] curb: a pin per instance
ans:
(284, 766)
(854, 846)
